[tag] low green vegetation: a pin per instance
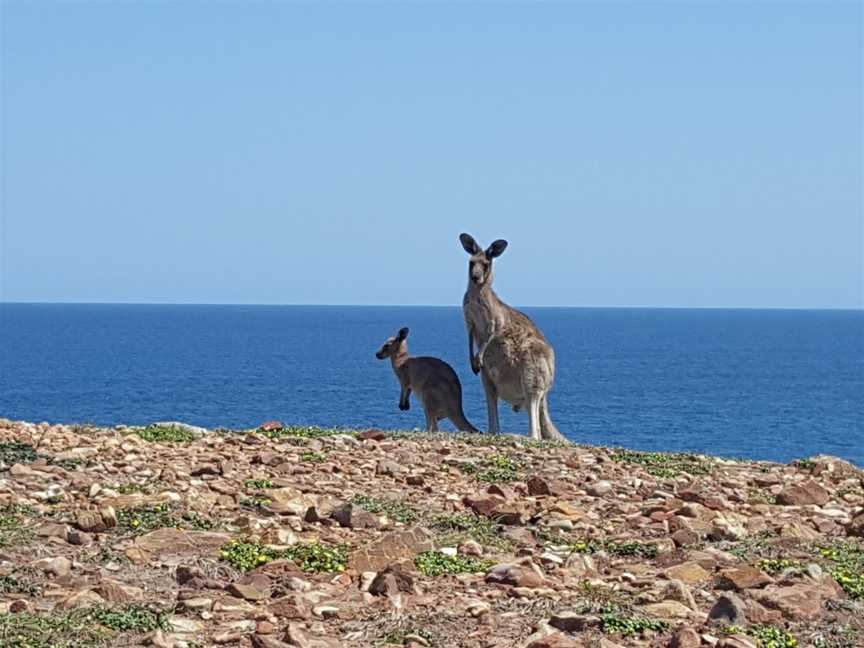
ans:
(165, 434)
(258, 484)
(303, 432)
(766, 636)
(615, 548)
(458, 527)
(435, 563)
(312, 558)
(314, 457)
(759, 496)
(14, 452)
(19, 583)
(13, 533)
(255, 502)
(661, 464)
(846, 566)
(804, 464)
(399, 636)
(615, 620)
(394, 509)
(142, 519)
(79, 628)
(779, 565)
(495, 469)
(130, 488)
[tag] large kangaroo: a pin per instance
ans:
(517, 363)
(433, 382)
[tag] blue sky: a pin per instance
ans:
(633, 154)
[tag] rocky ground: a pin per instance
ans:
(177, 536)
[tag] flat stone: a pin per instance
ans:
(688, 572)
(391, 548)
(802, 494)
(741, 578)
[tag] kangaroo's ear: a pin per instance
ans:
(403, 333)
(496, 249)
(469, 243)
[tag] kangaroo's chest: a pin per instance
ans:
(482, 317)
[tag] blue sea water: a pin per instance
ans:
(769, 384)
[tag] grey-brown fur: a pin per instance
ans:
(433, 382)
(514, 360)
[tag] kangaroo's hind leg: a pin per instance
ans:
(547, 428)
(491, 403)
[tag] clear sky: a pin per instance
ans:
(633, 154)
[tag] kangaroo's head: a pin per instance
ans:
(480, 263)
(393, 346)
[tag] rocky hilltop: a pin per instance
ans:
(283, 536)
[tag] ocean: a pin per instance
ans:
(756, 384)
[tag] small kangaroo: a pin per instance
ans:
(433, 382)
(514, 360)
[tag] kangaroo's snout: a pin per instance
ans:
(380, 355)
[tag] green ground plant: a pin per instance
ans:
(303, 432)
(494, 469)
(80, 628)
(766, 636)
(394, 509)
(661, 464)
(12, 530)
(258, 484)
(255, 502)
(778, 565)
(312, 557)
(165, 434)
(314, 457)
(14, 452)
(846, 566)
(458, 527)
(615, 548)
(435, 563)
(615, 620)
(399, 636)
(143, 519)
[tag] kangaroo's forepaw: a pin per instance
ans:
(404, 406)
(476, 365)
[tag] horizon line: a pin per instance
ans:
(358, 305)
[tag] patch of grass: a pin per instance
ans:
(837, 636)
(615, 548)
(130, 488)
(435, 563)
(255, 502)
(258, 484)
(495, 469)
(458, 527)
(312, 558)
(80, 628)
(71, 463)
(143, 519)
(778, 565)
(303, 432)
(758, 496)
(314, 457)
(804, 464)
(394, 509)
(766, 636)
(399, 636)
(12, 531)
(661, 464)
(19, 583)
(846, 566)
(15, 452)
(165, 434)
(614, 620)
(750, 548)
